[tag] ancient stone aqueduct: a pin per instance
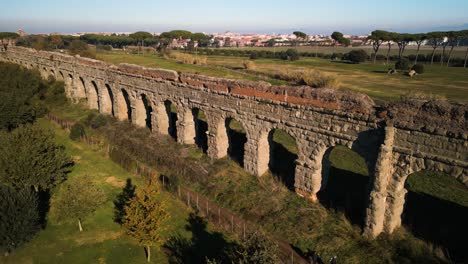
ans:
(392, 150)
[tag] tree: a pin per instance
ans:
(18, 87)
(337, 38)
(453, 39)
(19, 217)
(257, 249)
(464, 34)
(377, 37)
(419, 39)
(77, 199)
(56, 40)
(29, 157)
(389, 39)
(9, 35)
(78, 47)
(145, 217)
(402, 41)
(300, 36)
(435, 39)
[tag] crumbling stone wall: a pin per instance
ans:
(395, 140)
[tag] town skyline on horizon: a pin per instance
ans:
(261, 17)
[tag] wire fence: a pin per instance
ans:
(220, 217)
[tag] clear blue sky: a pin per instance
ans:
(324, 16)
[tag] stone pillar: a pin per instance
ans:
(160, 118)
(139, 113)
(305, 183)
(256, 152)
(185, 127)
(384, 169)
(218, 142)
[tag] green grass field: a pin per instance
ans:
(368, 78)
(103, 240)
(457, 51)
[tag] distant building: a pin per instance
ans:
(21, 33)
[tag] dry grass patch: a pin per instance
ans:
(115, 182)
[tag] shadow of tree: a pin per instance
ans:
(128, 192)
(202, 246)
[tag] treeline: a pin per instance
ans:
(31, 163)
(443, 40)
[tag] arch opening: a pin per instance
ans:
(93, 98)
(171, 112)
(111, 99)
(236, 137)
(143, 112)
(124, 106)
(81, 87)
(61, 76)
(436, 210)
(201, 128)
(345, 183)
(282, 156)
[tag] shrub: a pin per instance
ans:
(418, 68)
(380, 57)
(290, 54)
(336, 56)
(402, 64)
(98, 121)
(357, 56)
(253, 55)
(77, 131)
(249, 65)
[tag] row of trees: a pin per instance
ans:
(31, 163)
(434, 39)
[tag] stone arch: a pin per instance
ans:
(405, 165)
(93, 96)
(143, 112)
(79, 89)
(52, 72)
(69, 80)
(172, 117)
(124, 107)
(44, 72)
(61, 76)
(278, 152)
(201, 128)
(237, 137)
(436, 210)
(344, 182)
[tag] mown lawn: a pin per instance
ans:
(103, 240)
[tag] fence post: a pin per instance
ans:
(207, 209)
(292, 257)
(232, 223)
(219, 215)
(197, 202)
(188, 198)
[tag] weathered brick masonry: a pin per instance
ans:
(395, 142)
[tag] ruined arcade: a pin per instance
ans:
(395, 142)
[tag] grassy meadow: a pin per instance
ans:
(371, 79)
(102, 240)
